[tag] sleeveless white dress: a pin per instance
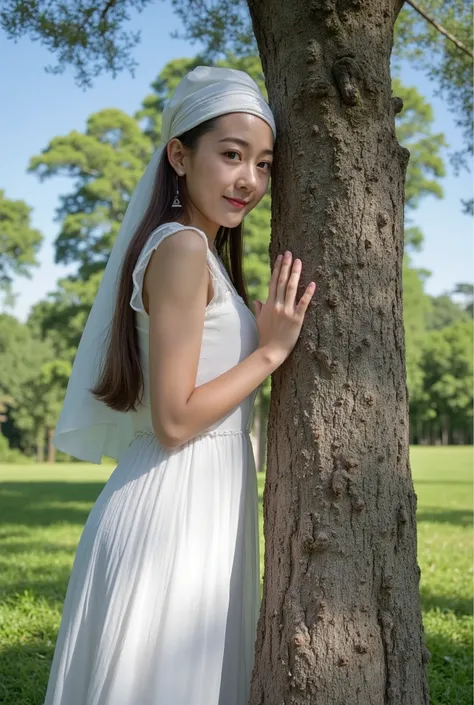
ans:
(163, 598)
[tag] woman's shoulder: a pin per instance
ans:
(156, 237)
(164, 230)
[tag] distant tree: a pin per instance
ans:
(19, 243)
(105, 163)
(466, 290)
(444, 311)
(448, 377)
(21, 358)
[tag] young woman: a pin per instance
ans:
(163, 598)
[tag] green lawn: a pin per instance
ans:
(43, 510)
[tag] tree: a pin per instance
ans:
(106, 163)
(91, 36)
(417, 309)
(40, 405)
(61, 317)
(414, 131)
(19, 242)
(444, 312)
(99, 162)
(466, 290)
(443, 60)
(21, 358)
(434, 35)
(339, 506)
(339, 502)
(88, 35)
(448, 383)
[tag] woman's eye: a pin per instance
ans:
(266, 165)
(232, 155)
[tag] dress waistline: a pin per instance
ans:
(214, 432)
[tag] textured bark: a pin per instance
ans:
(341, 619)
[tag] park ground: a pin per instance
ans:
(43, 509)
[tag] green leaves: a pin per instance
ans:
(89, 36)
(414, 131)
(448, 365)
(105, 163)
(19, 242)
(444, 64)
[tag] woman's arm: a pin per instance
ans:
(176, 283)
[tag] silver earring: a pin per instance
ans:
(176, 202)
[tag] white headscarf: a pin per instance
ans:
(87, 428)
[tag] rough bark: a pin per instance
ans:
(341, 619)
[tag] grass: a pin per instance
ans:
(43, 509)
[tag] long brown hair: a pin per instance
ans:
(120, 385)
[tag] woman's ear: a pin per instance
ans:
(176, 155)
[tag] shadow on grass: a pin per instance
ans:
(460, 606)
(26, 506)
(46, 503)
(449, 670)
(24, 669)
(457, 517)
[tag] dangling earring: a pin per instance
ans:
(176, 202)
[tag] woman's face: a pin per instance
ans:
(228, 173)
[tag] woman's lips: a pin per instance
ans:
(236, 204)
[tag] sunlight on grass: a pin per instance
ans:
(43, 509)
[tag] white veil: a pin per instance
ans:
(87, 428)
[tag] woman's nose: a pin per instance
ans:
(247, 179)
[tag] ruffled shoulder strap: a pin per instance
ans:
(155, 238)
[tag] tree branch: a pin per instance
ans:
(440, 28)
(107, 7)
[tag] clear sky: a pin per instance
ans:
(37, 106)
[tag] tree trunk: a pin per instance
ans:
(40, 445)
(341, 619)
(445, 431)
(262, 458)
(51, 448)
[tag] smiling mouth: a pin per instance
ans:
(236, 202)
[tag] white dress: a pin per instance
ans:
(163, 598)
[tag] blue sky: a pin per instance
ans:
(37, 106)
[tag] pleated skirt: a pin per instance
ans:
(163, 598)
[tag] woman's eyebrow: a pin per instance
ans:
(243, 143)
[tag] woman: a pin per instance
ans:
(163, 598)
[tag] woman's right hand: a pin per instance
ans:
(280, 319)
